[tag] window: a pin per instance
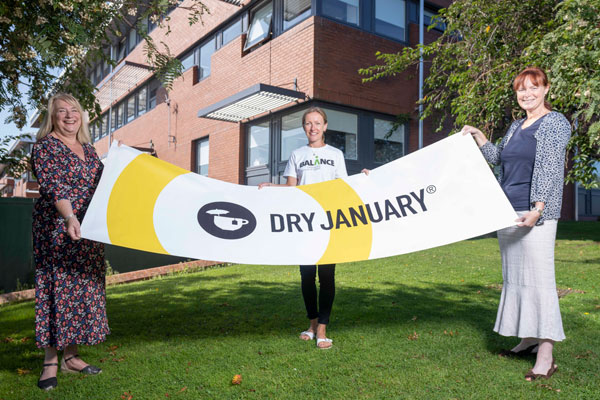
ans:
(113, 119)
(188, 61)
(427, 19)
(98, 129)
(151, 25)
(294, 11)
(132, 39)
(202, 157)
(292, 134)
(260, 25)
(130, 108)
(258, 145)
(121, 49)
(231, 32)
(342, 132)
(106, 68)
(141, 101)
(205, 52)
(120, 114)
(388, 145)
(98, 73)
(104, 125)
(343, 10)
(390, 18)
(152, 95)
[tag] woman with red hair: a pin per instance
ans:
(532, 159)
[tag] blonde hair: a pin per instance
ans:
(83, 135)
(317, 110)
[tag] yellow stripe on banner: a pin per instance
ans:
(348, 242)
(130, 210)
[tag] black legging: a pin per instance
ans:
(326, 293)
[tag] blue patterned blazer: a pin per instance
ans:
(547, 180)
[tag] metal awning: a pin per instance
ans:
(251, 102)
(125, 76)
(234, 2)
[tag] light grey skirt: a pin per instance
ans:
(529, 302)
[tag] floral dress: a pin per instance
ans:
(70, 305)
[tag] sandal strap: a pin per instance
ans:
(51, 365)
(72, 357)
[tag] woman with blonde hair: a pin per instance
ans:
(70, 307)
(301, 170)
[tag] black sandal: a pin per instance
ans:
(88, 370)
(49, 383)
(521, 353)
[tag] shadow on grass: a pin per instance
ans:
(165, 311)
(196, 306)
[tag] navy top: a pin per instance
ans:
(517, 158)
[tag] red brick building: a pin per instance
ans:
(300, 52)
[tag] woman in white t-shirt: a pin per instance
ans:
(313, 163)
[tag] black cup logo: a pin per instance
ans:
(226, 220)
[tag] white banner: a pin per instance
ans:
(441, 194)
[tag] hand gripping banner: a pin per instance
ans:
(441, 194)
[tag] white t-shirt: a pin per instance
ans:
(316, 164)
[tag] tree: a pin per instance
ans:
(14, 162)
(486, 43)
(39, 36)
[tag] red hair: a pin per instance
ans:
(537, 76)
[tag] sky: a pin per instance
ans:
(11, 129)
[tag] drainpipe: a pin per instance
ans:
(421, 42)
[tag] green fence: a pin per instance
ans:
(16, 258)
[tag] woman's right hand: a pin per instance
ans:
(264, 184)
(74, 228)
(476, 133)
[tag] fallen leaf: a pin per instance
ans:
(8, 339)
(237, 380)
(413, 336)
(183, 389)
(549, 387)
(25, 339)
(252, 390)
(113, 348)
(23, 371)
(414, 318)
(166, 394)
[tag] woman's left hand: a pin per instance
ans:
(529, 219)
(365, 171)
(74, 228)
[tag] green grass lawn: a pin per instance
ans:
(417, 326)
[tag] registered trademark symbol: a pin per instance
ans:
(430, 189)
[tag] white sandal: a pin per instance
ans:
(310, 334)
(326, 340)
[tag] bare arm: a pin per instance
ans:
(291, 181)
(479, 137)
